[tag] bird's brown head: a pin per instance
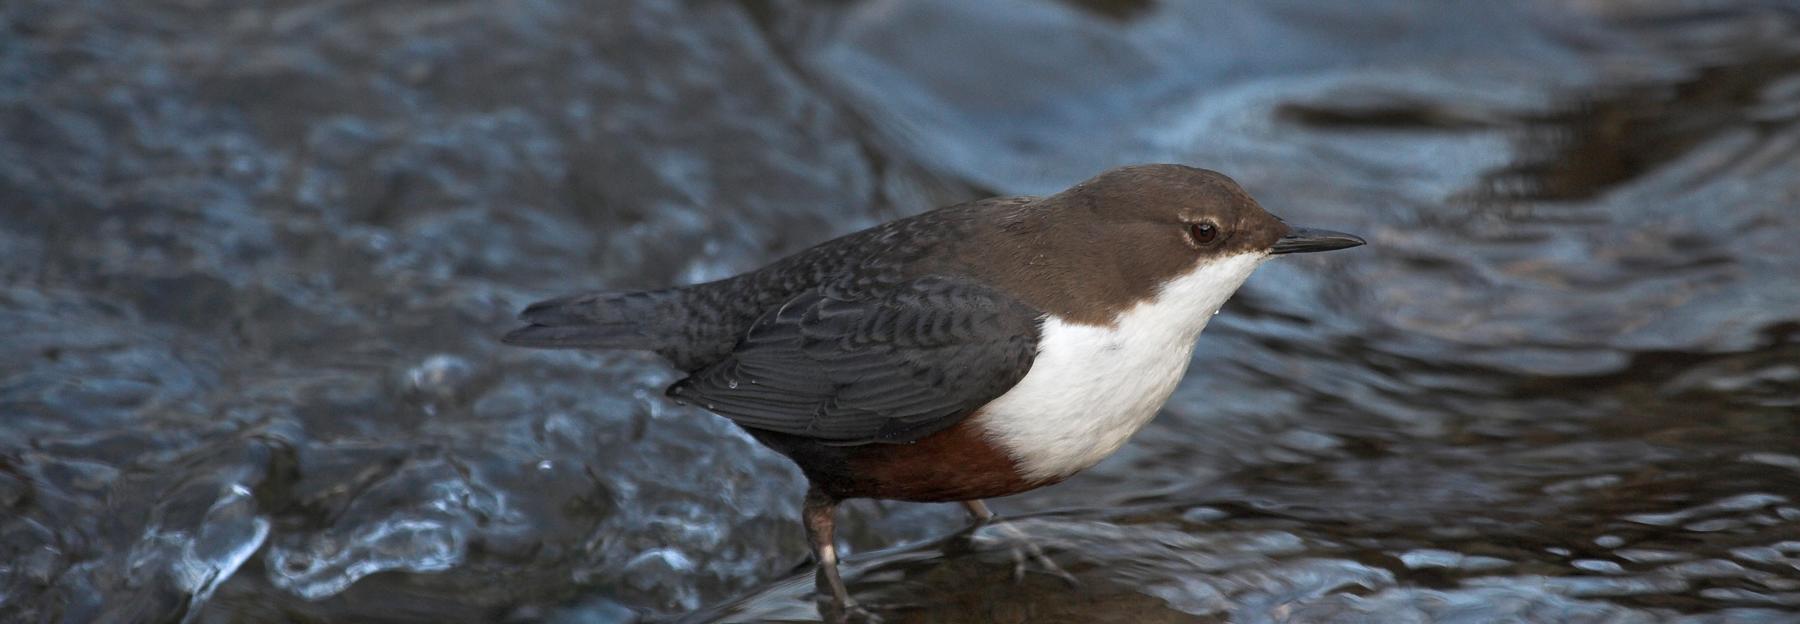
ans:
(1125, 235)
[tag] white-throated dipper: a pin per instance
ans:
(968, 352)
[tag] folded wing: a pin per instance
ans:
(891, 364)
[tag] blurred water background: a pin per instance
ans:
(255, 255)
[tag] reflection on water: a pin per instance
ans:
(257, 257)
(1748, 104)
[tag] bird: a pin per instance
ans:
(968, 352)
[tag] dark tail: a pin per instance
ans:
(628, 320)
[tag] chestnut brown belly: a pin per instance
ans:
(955, 464)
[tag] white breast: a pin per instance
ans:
(1091, 387)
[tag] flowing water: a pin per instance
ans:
(254, 258)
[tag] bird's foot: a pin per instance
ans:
(1027, 557)
(846, 611)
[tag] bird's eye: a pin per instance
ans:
(1203, 233)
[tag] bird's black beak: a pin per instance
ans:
(1307, 240)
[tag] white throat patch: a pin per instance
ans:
(1091, 387)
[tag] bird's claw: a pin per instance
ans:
(848, 612)
(1027, 558)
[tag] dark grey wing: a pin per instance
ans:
(889, 366)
